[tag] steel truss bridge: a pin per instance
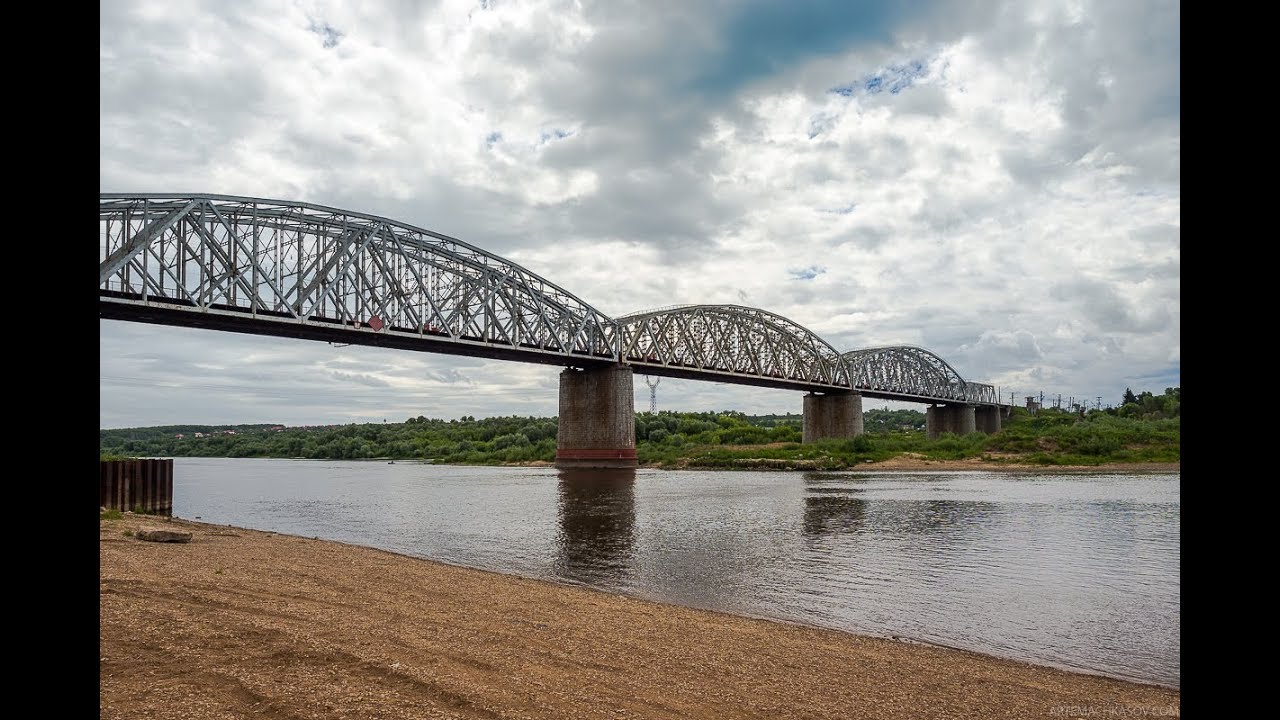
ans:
(299, 270)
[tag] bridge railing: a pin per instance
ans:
(654, 311)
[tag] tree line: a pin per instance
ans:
(1145, 430)
(1147, 406)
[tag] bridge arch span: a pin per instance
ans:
(302, 270)
(915, 371)
(751, 345)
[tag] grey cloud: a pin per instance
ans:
(1015, 348)
(1108, 309)
(450, 376)
(928, 100)
(865, 239)
(1118, 69)
(361, 379)
(806, 273)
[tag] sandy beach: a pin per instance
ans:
(241, 623)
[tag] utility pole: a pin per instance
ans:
(653, 394)
(1099, 399)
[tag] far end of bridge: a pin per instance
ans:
(597, 417)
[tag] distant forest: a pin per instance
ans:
(1144, 428)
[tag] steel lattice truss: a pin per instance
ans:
(732, 340)
(301, 264)
(300, 270)
(908, 370)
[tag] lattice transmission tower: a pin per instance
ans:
(653, 394)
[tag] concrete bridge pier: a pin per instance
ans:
(958, 419)
(988, 419)
(597, 426)
(833, 415)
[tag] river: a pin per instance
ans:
(1074, 570)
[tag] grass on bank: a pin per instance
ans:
(670, 439)
(1044, 439)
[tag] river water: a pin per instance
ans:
(1078, 571)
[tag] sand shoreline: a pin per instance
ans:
(242, 623)
(913, 464)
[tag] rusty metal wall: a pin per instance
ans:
(136, 485)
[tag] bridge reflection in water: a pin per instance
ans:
(596, 538)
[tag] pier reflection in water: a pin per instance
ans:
(828, 513)
(596, 538)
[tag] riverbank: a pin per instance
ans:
(914, 463)
(243, 623)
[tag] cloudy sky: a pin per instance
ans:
(997, 182)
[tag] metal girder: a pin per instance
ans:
(289, 262)
(981, 393)
(910, 370)
(731, 340)
(308, 271)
